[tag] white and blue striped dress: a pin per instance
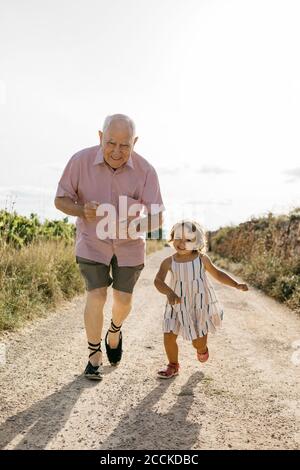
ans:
(199, 311)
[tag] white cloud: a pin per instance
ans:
(214, 170)
(25, 191)
(226, 202)
(293, 172)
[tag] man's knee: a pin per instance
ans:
(122, 298)
(98, 295)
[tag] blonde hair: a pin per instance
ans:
(195, 228)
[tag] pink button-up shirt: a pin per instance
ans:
(88, 178)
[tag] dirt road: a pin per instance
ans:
(246, 397)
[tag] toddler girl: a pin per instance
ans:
(192, 309)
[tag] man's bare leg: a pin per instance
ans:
(93, 319)
(122, 303)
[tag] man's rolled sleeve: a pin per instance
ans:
(151, 196)
(68, 184)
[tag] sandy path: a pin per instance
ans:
(246, 396)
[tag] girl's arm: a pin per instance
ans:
(220, 275)
(160, 284)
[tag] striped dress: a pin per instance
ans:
(199, 311)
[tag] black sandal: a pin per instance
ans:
(114, 354)
(93, 372)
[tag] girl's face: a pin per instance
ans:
(184, 241)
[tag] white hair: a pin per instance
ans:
(119, 117)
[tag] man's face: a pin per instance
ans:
(117, 143)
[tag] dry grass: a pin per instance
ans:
(38, 277)
(154, 245)
(34, 279)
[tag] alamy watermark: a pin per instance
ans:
(130, 221)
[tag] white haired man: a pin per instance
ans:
(94, 180)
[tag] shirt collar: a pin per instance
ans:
(99, 159)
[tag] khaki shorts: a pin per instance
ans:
(97, 275)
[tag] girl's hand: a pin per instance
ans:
(173, 298)
(242, 286)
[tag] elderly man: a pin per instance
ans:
(94, 180)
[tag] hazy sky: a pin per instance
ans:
(214, 88)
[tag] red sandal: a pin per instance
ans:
(171, 371)
(203, 357)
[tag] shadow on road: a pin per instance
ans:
(43, 420)
(144, 428)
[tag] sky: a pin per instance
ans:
(213, 87)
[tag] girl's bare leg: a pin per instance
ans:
(171, 347)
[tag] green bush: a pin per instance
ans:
(265, 252)
(18, 231)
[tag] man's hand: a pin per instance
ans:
(173, 298)
(242, 286)
(89, 210)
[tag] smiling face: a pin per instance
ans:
(117, 143)
(188, 236)
(184, 240)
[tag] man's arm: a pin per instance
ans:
(69, 207)
(152, 200)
